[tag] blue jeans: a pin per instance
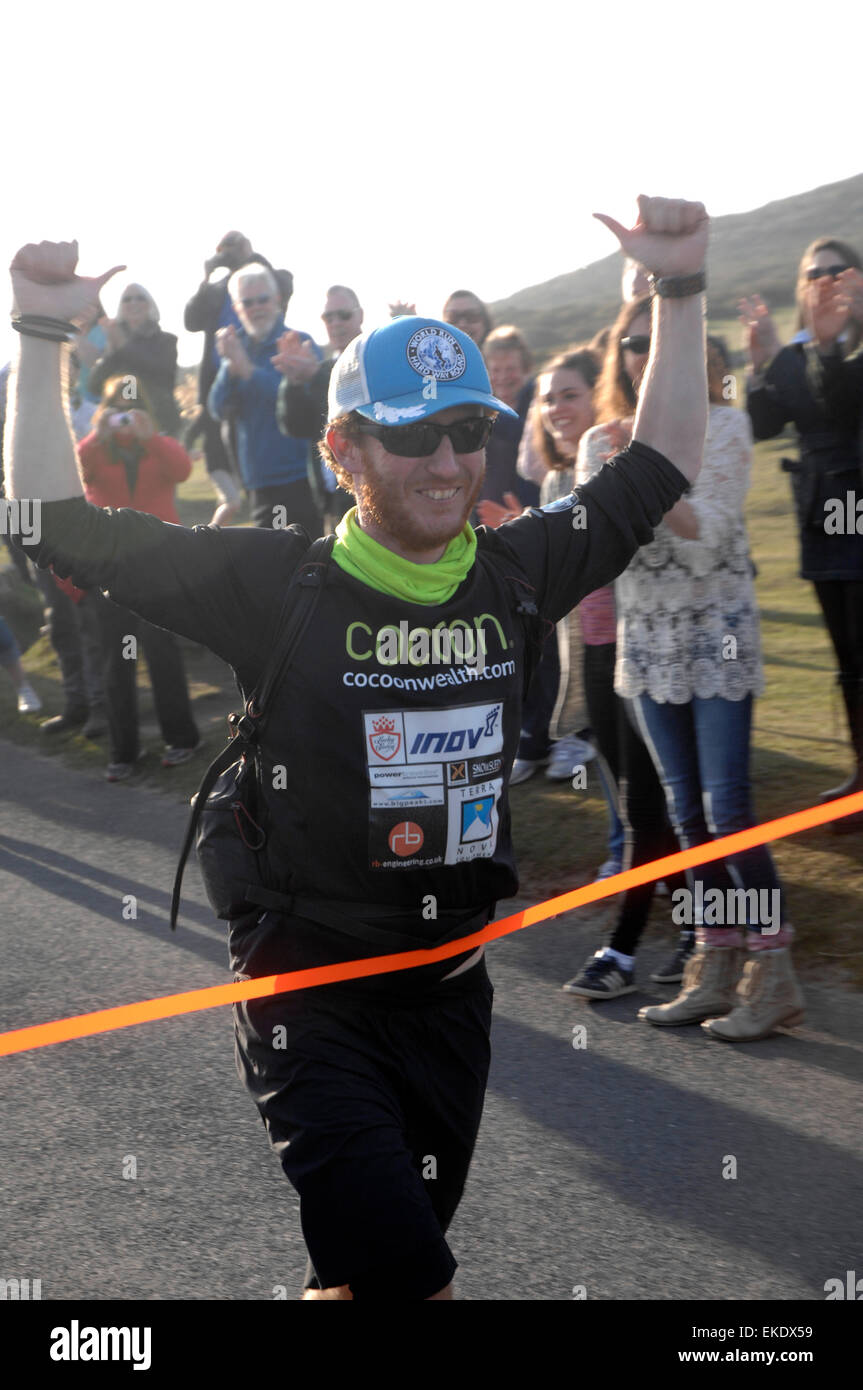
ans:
(9, 650)
(616, 833)
(701, 752)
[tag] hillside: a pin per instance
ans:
(750, 251)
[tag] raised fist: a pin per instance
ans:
(44, 282)
(669, 236)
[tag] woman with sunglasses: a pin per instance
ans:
(688, 667)
(690, 664)
(782, 391)
(140, 351)
(648, 833)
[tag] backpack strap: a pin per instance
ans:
(246, 728)
(522, 594)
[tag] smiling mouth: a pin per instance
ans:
(439, 494)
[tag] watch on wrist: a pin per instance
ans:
(678, 286)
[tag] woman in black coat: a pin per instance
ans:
(140, 350)
(784, 389)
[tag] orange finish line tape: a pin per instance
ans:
(171, 1005)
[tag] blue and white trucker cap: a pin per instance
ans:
(409, 369)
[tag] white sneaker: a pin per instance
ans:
(28, 700)
(522, 769)
(566, 755)
(608, 869)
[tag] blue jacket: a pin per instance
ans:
(267, 457)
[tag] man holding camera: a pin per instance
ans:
(395, 819)
(208, 310)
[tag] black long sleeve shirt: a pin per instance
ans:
(396, 772)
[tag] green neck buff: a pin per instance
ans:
(367, 560)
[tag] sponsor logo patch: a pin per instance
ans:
(385, 739)
(406, 838)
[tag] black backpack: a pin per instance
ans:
(228, 819)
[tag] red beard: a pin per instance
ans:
(379, 503)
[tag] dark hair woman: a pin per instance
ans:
(569, 380)
(783, 389)
(648, 833)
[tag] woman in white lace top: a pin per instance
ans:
(687, 612)
(689, 666)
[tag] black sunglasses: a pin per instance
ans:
(639, 343)
(818, 272)
(422, 439)
(341, 314)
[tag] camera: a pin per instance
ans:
(120, 420)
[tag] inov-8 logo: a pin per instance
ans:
(20, 1289)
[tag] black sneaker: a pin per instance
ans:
(671, 973)
(601, 978)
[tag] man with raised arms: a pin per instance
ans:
(394, 819)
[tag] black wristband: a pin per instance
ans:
(678, 286)
(42, 326)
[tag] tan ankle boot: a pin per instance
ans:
(768, 997)
(708, 988)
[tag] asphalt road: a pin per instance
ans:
(599, 1167)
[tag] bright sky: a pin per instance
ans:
(400, 148)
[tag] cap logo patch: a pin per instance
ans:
(435, 352)
(392, 414)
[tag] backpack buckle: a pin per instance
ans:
(242, 726)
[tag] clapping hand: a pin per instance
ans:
(115, 333)
(44, 282)
(669, 236)
(851, 282)
(401, 308)
(832, 303)
(493, 514)
(295, 358)
(762, 340)
(229, 347)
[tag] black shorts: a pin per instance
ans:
(373, 1109)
